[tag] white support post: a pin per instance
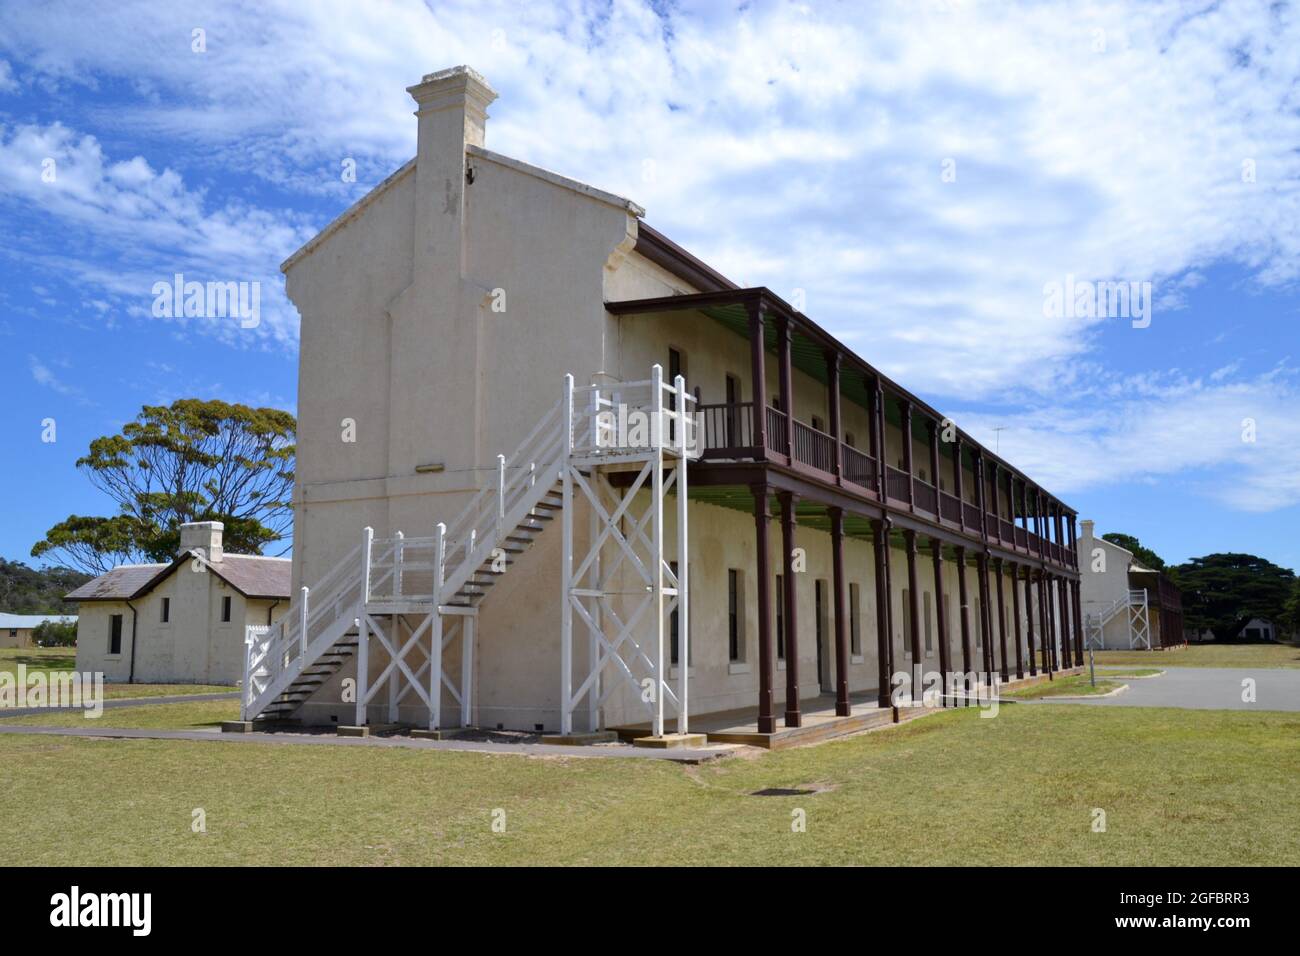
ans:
(594, 659)
(466, 668)
(303, 593)
(399, 551)
(566, 567)
(657, 541)
(367, 545)
(396, 633)
(435, 628)
(501, 496)
(363, 668)
(683, 566)
(245, 688)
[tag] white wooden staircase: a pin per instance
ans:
(441, 580)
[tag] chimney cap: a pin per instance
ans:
(462, 78)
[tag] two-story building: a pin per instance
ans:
(841, 530)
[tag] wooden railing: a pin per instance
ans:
(727, 428)
(858, 468)
(776, 437)
(926, 496)
(896, 483)
(813, 447)
(727, 431)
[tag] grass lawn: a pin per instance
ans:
(200, 714)
(1209, 655)
(51, 659)
(1178, 787)
(1074, 686)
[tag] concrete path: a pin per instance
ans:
(121, 702)
(1204, 688)
(330, 740)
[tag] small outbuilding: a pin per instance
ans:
(180, 622)
(16, 629)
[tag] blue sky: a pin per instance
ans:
(798, 146)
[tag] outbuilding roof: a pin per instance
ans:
(251, 575)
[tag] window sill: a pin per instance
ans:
(676, 672)
(856, 659)
(738, 667)
(780, 664)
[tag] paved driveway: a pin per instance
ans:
(1206, 688)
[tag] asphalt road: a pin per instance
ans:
(1207, 688)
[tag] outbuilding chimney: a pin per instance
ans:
(203, 536)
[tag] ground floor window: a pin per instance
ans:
(735, 615)
(929, 633)
(780, 620)
(115, 634)
(225, 609)
(165, 612)
(855, 624)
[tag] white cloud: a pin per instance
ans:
(791, 146)
(44, 376)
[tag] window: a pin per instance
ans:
(735, 616)
(976, 624)
(115, 634)
(929, 636)
(907, 623)
(225, 609)
(855, 629)
(848, 440)
(165, 611)
(780, 620)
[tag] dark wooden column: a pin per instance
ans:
(790, 605)
(758, 372)
(763, 570)
(997, 505)
(941, 621)
(1049, 600)
(833, 395)
(1002, 622)
(933, 428)
(1029, 619)
(914, 611)
(882, 445)
(905, 409)
(842, 708)
(1015, 612)
(964, 617)
(1078, 619)
(981, 503)
(1067, 651)
(783, 335)
(884, 643)
(1049, 646)
(959, 480)
(985, 622)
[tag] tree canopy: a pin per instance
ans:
(1145, 556)
(193, 460)
(1223, 592)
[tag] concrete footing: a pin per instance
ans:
(424, 733)
(349, 730)
(667, 741)
(236, 726)
(581, 740)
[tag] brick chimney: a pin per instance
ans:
(203, 536)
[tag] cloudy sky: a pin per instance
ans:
(922, 171)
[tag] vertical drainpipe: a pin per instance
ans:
(134, 617)
(270, 611)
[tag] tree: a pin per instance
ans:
(25, 590)
(1291, 617)
(193, 460)
(1223, 592)
(55, 634)
(1145, 556)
